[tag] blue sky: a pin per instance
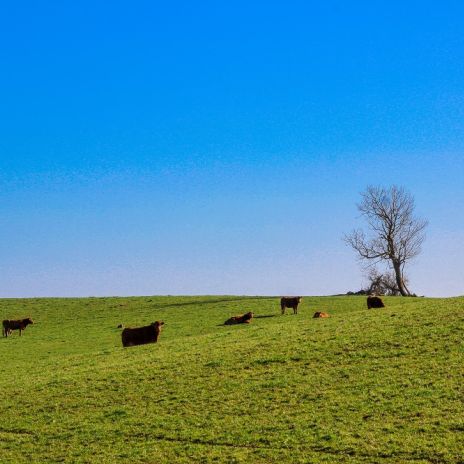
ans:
(213, 148)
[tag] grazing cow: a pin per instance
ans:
(242, 319)
(320, 314)
(290, 302)
(9, 326)
(141, 335)
(374, 302)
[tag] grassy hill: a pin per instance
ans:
(367, 386)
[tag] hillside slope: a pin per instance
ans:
(370, 386)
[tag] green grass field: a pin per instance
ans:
(368, 386)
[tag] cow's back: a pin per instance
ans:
(290, 302)
(374, 302)
(139, 335)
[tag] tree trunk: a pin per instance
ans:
(399, 279)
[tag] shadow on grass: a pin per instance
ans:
(208, 302)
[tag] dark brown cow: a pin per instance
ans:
(9, 326)
(141, 335)
(374, 302)
(320, 314)
(290, 302)
(243, 319)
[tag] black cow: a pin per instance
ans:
(9, 326)
(290, 302)
(374, 302)
(141, 335)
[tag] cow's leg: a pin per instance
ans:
(282, 307)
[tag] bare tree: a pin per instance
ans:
(382, 283)
(395, 234)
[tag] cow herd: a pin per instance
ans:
(150, 333)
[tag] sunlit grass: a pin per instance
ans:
(363, 386)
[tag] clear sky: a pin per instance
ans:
(220, 147)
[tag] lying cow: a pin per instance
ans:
(374, 302)
(9, 326)
(243, 319)
(290, 302)
(141, 335)
(320, 314)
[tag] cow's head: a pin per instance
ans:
(28, 321)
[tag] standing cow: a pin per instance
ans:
(9, 326)
(290, 302)
(141, 335)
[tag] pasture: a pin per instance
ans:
(364, 386)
